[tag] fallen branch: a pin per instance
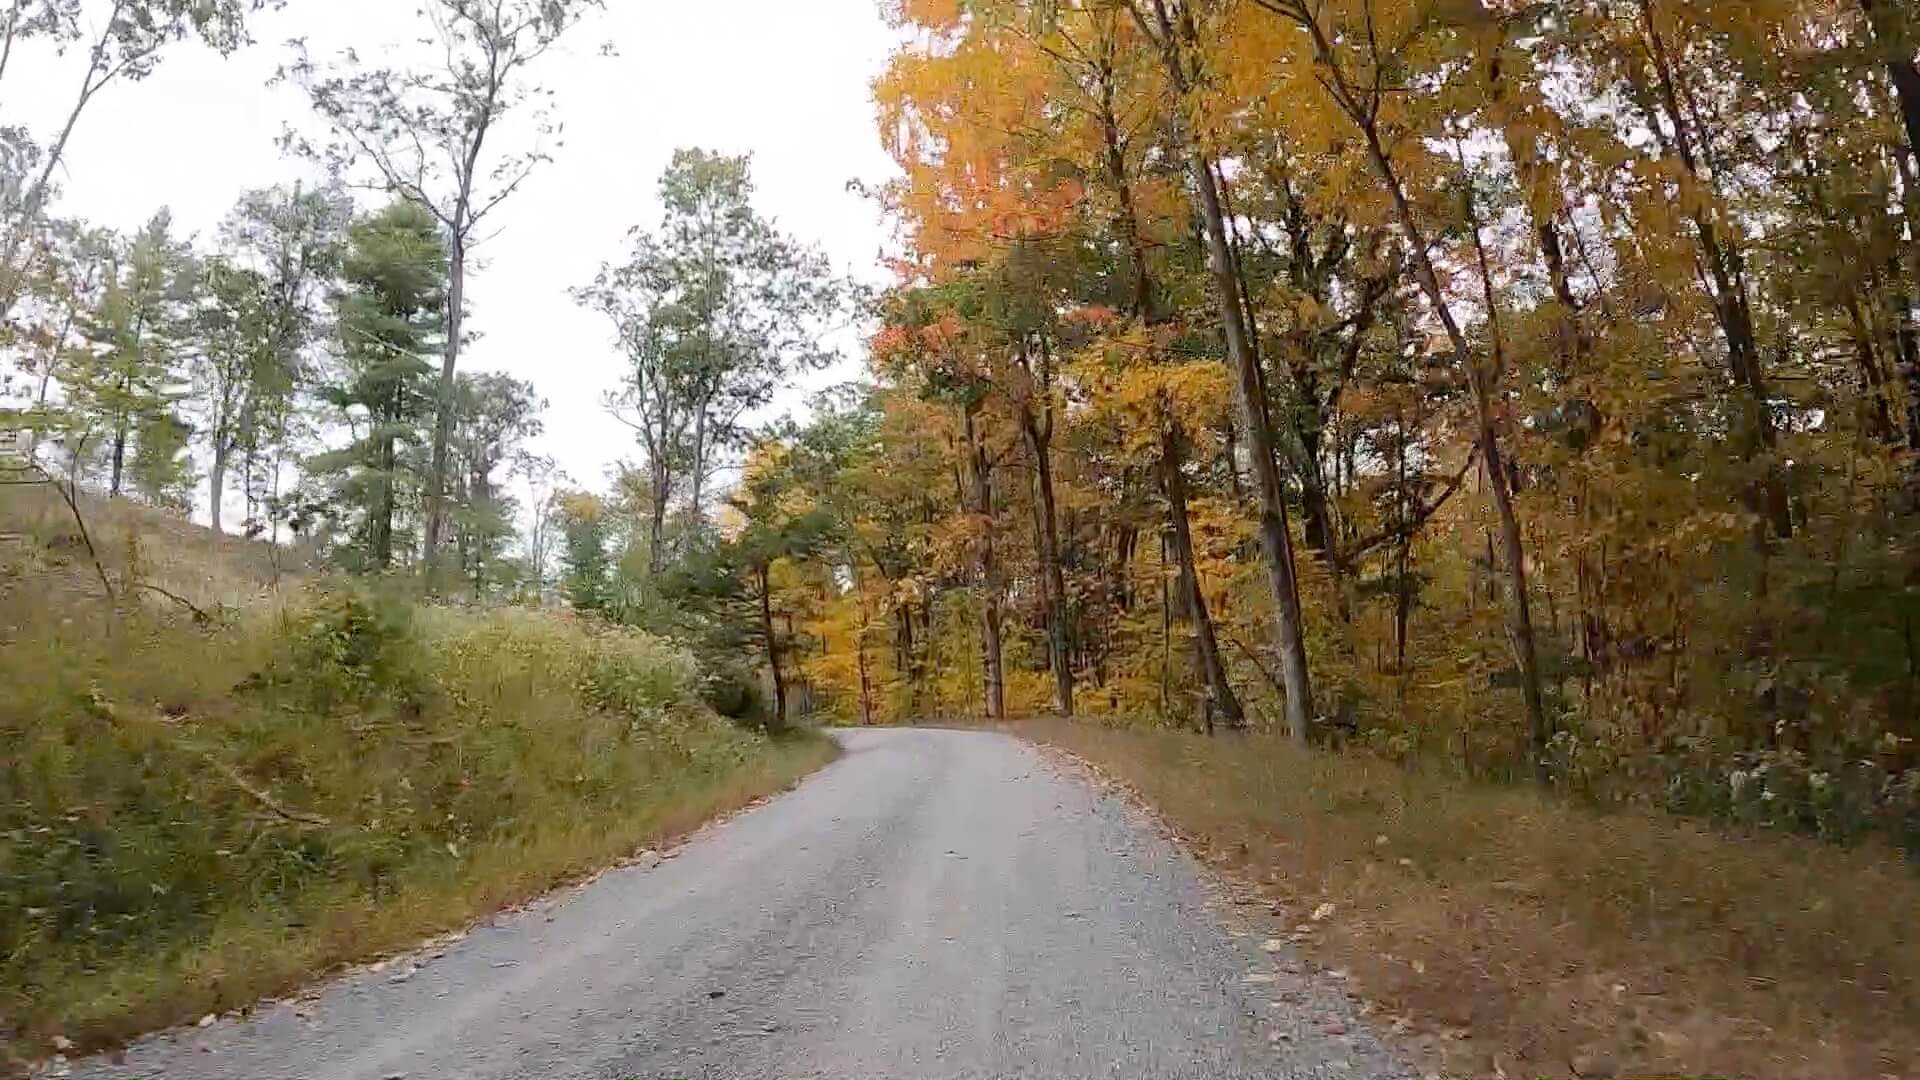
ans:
(199, 616)
(79, 522)
(262, 797)
(1234, 639)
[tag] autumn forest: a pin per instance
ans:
(1524, 387)
(1456, 462)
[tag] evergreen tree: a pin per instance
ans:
(388, 315)
(130, 380)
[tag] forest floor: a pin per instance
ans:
(1541, 939)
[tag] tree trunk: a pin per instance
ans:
(1276, 541)
(993, 671)
(1129, 220)
(772, 639)
(1174, 482)
(443, 409)
(699, 480)
(866, 678)
(1902, 71)
(1896, 40)
(380, 528)
(657, 512)
(1250, 390)
(1316, 515)
(216, 485)
(1402, 605)
(119, 458)
(1047, 537)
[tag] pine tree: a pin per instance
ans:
(388, 316)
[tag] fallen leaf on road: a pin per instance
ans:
(1273, 944)
(1322, 913)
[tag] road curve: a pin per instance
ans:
(935, 904)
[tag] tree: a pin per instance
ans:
(1361, 105)
(545, 481)
(388, 315)
(161, 469)
(494, 416)
(123, 44)
(128, 380)
(432, 135)
(586, 568)
(715, 310)
(1173, 29)
(778, 523)
(262, 311)
(65, 288)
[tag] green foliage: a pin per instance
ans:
(716, 309)
(161, 471)
(389, 321)
(586, 564)
(273, 784)
(120, 384)
(261, 310)
(493, 416)
(345, 646)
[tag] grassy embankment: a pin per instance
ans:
(1560, 939)
(198, 816)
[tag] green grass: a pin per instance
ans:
(1547, 930)
(198, 817)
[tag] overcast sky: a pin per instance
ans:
(786, 80)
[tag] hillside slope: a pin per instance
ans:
(213, 800)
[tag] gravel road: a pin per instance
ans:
(935, 904)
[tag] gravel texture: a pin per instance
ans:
(935, 904)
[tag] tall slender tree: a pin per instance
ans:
(262, 309)
(121, 41)
(716, 309)
(433, 133)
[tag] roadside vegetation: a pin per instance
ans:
(208, 802)
(1495, 425)
(410, 673)
(1526, 936)
(1499, 423)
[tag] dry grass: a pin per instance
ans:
(195, 816)
(251, 953)
(1550, 934)
(152, 545)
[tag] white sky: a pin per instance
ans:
(787, 80)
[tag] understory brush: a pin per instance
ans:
(196, 816)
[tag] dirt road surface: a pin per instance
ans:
(935, 904)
